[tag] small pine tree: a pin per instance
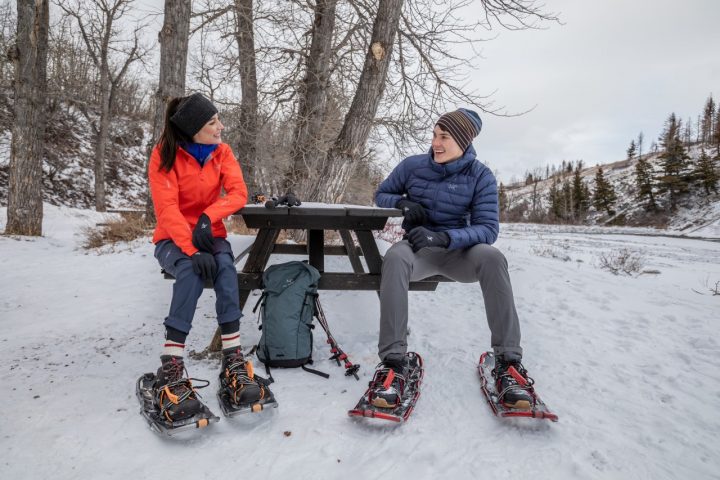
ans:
(604, 197)
(708, 119)
(568, 206)
(555, 199)
(716, 135)
(674, 160)
(645, 183)
(631, 151)
(706, 173)
(502, 198)
(580, 193)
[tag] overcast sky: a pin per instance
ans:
(614, 68)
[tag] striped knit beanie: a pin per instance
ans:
(463, 125)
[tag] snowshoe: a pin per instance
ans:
(517, 396)
(393, 392)
(157, 417)
(240, 390)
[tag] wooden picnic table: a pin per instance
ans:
(316, 219)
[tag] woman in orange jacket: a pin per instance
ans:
(189, 168)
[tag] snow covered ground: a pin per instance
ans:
(631, 364)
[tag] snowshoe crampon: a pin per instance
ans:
(158, 423)
(537, 410)
(411, 393)
(231, 409)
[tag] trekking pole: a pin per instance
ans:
(338, 354)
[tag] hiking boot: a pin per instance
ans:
(173, 393)
(513, 391)
(237, 380)
(388, 385)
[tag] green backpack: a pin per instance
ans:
(287, 309)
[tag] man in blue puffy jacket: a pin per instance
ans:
(450, 204)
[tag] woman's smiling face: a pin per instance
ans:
(209, 134)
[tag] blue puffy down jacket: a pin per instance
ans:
(460, 197)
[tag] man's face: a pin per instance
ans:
(444, 147)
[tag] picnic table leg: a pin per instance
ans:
(257, 259)
(370, 251)
(316, 246)
(351, 252)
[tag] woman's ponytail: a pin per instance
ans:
(171, 136)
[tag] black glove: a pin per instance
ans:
(421, 237)
(413, 212)
(202, 236)
(204, 265)
(290, 200)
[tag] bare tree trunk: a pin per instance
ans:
(307, 145)
(102, 136)
(25, 208)
(247, 145)
(174, 38)
(348, 148)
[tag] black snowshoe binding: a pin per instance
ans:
(513, 385)
(508, 389)
(240, 390)
(393, 391)
(169, 401)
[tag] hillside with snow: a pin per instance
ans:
(68, 166)
(696, 210)
(630, 363)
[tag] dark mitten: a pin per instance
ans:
(202, 236)
(413, 212)
(204, 265)
(290, 200)
(421, 237)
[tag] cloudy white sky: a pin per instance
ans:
(614, 68)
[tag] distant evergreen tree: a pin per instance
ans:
(706, 172)
(555, 199)
(674, 160)
(707, 126)
(568, 206)
(644, 183)
(716, 135)
(640, 139)
(604, 197)
(502, 198)
(580, 193)
(631, 151)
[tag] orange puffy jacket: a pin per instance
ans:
(187, 191)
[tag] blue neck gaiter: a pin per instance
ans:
(199, 151)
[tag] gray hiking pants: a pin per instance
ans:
(479, 263)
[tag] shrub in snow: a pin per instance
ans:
(114, 230)
(622, 260)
